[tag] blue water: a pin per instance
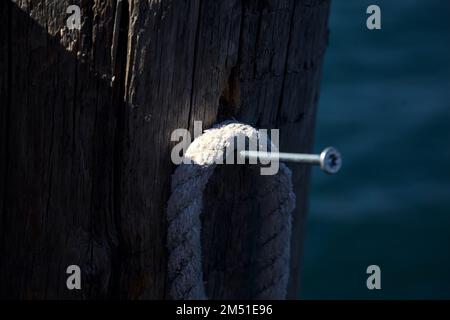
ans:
(385, 103)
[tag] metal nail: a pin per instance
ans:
(329, 160)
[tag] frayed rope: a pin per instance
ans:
(185, 205)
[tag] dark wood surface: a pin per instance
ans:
(85, 134)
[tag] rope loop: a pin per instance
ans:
(185, 274)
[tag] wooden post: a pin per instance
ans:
(85, 124)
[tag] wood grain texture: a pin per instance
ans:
(85, 158)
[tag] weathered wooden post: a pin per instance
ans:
(85, 123)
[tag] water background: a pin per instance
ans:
(385, 103)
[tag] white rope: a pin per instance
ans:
(185, 205)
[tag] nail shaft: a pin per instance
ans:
(313, 159)
(329, 159)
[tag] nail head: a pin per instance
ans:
(330, 160)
